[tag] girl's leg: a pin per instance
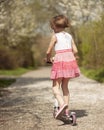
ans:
(56, 104)
(57, 93)
(65, 92)
(56, 90)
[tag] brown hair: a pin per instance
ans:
(59, 22)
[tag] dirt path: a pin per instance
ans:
(29, 105)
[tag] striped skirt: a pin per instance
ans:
(64, 65)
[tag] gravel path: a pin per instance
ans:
(29, 104)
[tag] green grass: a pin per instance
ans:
(96, 74)
(3, 84)
(16, 72)
(6, 82)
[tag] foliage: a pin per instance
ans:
(39, 50)
(14, 57)
(19, 39)
(8, 58)
(92, 46)
(97, 74)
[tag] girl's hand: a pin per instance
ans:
(47, 61)
(77, 57)
(50, 61)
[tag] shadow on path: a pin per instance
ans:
(22, 81)
(80, 113)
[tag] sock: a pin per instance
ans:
(56, 103)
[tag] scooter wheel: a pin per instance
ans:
(73, 119)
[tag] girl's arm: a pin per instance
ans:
(75, 50)
(51, 45)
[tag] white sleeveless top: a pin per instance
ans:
(63, 41)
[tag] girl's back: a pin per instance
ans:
(64, 41)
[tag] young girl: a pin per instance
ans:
(64, 65)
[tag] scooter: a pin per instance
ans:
(71, 119)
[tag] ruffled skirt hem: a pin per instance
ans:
(64, 66)
(66, 70)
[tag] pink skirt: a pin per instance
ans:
(64, 65)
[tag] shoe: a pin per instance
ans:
(61, 111)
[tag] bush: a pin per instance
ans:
(29, 51)
(23, 48)
(12, 57)
(92, 43)
(39, 50)
(8, 58)
(97, 74)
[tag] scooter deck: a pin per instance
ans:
(69, 120)
(66, 120)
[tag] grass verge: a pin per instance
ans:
(3, 84)
(6, 82)
(15, 72)
(96, 74)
